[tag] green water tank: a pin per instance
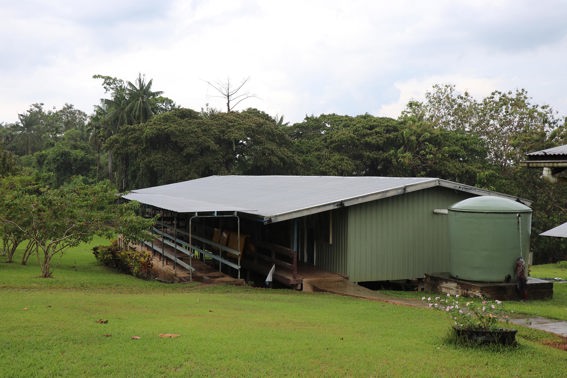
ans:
(486, 235)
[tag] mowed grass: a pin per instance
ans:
(82, 323)
(555, 308)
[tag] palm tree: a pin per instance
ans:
(141, 100)
(29, 129)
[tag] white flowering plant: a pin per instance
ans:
(470, 314)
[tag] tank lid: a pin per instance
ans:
(490, 204)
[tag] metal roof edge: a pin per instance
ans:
(156, 200)
(481, 192)
(543, 163)
(556, 232)
(408, 188)
(301, 213)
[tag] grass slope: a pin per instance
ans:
(51, 327)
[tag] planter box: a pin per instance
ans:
(501, 336)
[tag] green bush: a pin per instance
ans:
(137, 263)
(562, 264)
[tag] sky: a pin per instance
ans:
(300, 57)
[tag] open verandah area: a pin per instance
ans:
(214, 248)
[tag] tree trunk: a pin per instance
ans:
(110, 166)
(46, 263)
(9, 247)
(30, 248)
(11, 252)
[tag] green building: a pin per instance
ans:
(364, 228)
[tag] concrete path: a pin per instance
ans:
(345, 287)
(557, 327)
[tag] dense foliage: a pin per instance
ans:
(135, 262)
(55, 219)
(136, 137)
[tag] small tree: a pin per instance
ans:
(230, 93)
(56, 219)
(14, 196)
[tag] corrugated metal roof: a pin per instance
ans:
(560, 150)
(555, 158)
(558, 232)
(180, 204)
(277, 198)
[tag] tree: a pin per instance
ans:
(445, 108)
(512, 126)
(8, 163)
(66, 119)
(56, 219)
(423, 150)
(129, 103)
(248, 142)
(141, 100)
(29, 131)
(252, 143)
(507, 122)
(15, 194)
(346, 146)
(144, 154)
(230, 93)
(71, 156)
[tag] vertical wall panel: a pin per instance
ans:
(399, 237)
(333, 256)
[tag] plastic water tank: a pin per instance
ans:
(486, 235)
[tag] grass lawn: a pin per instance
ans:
(81, 323)
(555, 308)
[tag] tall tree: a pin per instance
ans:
(9, 164)
(512, 126)
(253, 143)
(29, 131)
(58, 121)
(232, 94)
(423, 150)
(248, 142)
(129, 103)
(333, 144)
(144, 154)
(141, 100)
(71, 156)
(508, 123)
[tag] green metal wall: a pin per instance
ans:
(399, 237)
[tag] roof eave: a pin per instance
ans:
(353, 201)
(544, 163)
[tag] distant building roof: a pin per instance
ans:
(555, 157)
(558, 232)
(559, 150)
(278, 198)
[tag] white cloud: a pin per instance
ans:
(415, 90)
(302, 57)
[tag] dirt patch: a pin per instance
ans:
(561, 344)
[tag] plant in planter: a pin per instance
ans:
(475, 321)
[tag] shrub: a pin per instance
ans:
(470, 314)
(137, 263)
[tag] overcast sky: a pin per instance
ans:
(302, 57)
